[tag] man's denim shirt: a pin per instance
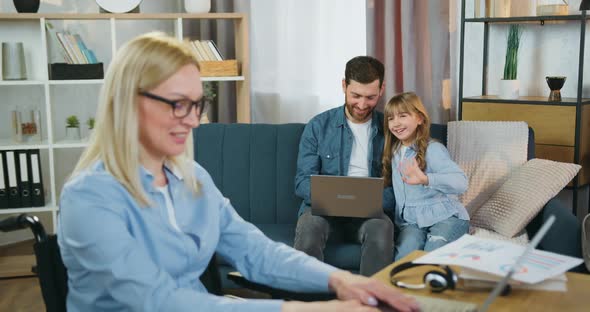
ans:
(326, 146)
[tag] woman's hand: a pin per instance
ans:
(411, 173)
(369, 291)
(327, 306)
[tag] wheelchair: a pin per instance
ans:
(53, 278)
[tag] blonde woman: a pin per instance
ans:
(139, 220)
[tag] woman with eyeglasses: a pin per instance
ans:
(139, 219)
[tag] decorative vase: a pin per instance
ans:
(509, 89)
(555, 84)
(197, 6)
(26, 6)
(14, 66)
(73, 133)
(118, 6)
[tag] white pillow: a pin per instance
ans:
(523, 195)
(521, 238)
(487, 151)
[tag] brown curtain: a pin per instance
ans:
(412, 38)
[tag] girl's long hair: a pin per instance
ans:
(141, 64)
(407, 102)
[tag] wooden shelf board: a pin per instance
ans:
(9, 144)
(524, 99)
(127, 16)
(28, 209)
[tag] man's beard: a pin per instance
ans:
(356, 116)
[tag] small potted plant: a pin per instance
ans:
(209, 96)
(72, 128)
(509, 85)
(90, 124)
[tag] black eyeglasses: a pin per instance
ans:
(180, 108)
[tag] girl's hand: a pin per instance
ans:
(411, 173)
(369, 292)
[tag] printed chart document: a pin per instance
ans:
(496, 257)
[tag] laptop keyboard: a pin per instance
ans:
(430, 304)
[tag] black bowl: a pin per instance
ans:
(555, 82)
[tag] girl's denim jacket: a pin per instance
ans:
(426, 205)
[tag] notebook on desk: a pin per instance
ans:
(436, 304)
(343, 196)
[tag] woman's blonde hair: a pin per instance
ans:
(141, 64)
(407, 102)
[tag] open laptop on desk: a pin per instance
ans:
(343, 196)
(436, 304)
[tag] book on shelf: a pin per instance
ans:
(210, 55)
(54, 43)
(88, 54)
(196, 51)
(70, 46)
(203, 50)
(76, 48)
(215, 50)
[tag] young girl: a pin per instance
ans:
(425, 180)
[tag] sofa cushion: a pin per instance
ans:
(254, 166)
(522, 195)
(344, 255)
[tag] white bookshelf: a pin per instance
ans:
(57, 99)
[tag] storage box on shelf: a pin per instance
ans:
(56, 99)
(562, 128)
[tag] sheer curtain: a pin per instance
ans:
(298, 51)
(417, 41)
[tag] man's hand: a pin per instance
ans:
(348, 286)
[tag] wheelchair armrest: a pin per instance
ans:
(276, 293)
(24, 221)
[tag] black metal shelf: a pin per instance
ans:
(577, 102)
(521, 19)
(534, 100)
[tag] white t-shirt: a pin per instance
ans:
(359, 157)
(169, 206)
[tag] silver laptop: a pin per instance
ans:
(443, 305)
(341, 196)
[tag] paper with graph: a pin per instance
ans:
(496, 257)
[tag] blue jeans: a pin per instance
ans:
(411, 237)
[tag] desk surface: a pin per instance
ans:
(577, 297)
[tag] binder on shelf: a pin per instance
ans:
(3, 182)
(36, 178)
(24, 184)
(13, 191)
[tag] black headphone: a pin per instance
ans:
(437, 280)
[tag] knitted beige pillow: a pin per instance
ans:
(522, 196)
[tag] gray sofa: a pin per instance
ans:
(254, 166)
